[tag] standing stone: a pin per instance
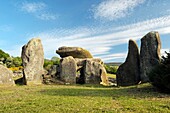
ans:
(128, 72)
(149, 54)
(68, 70)
(33, 61)
(6, 76)
(95, 72)
(104, 78)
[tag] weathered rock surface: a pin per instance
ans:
(6, 76)
(33, 60)
(129, 73)
(53, 70)
(149, 54)
(68, 70)
(87, 70)
(78, 66)
(95, 72)
(75, 52)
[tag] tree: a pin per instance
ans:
(160, 75)
(17, 61)
(55, 60)
(3, 55)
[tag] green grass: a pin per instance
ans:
(111, 75)
(83, 99)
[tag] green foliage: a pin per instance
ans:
(13, 62)
(17, 61)
(111, 69)
(55, 60)
(160, 75)
(3, 55)
(10, 61)
(49, 63)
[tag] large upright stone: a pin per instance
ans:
(149, 54)
(128, 73)
(95, 72)
(6, 76)
(75, 52)
(33, 61)
(68, 70)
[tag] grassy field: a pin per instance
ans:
(82, 98)
(111, 75)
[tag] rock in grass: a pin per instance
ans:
(128, 73)
(6, 76)
(75, 52)
(33, 61)
(149, 54)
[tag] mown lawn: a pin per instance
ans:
(82, 98)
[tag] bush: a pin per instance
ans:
(160, 75)
(13, 62)
(15, 68)
(49, 63)
(3, 54)
(55, 60)
(111, 69)
(17, 61)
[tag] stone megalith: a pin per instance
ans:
(33, 61)
(95, 72)
(75, 52)
(68, 70)
(149, 54)
(6, 76)
(128, 73)
(91, 71)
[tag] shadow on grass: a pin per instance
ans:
(98, 91)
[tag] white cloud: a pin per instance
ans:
(33, 7)
(14, 52)
(114, 9)
(38, 10)
(113, 56)
(101, 46)
(46, 16)
(163, 51)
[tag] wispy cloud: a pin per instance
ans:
(15, 50)
(115, 9)
(46, 16)
(33, 7)
(163, 51)
(114, 56)
(101, 45)
(38, 10)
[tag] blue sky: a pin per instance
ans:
(101, 26)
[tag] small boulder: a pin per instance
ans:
(33, 61)
(128, 72)
(75, 52)
(6, 76)
(149, 54)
